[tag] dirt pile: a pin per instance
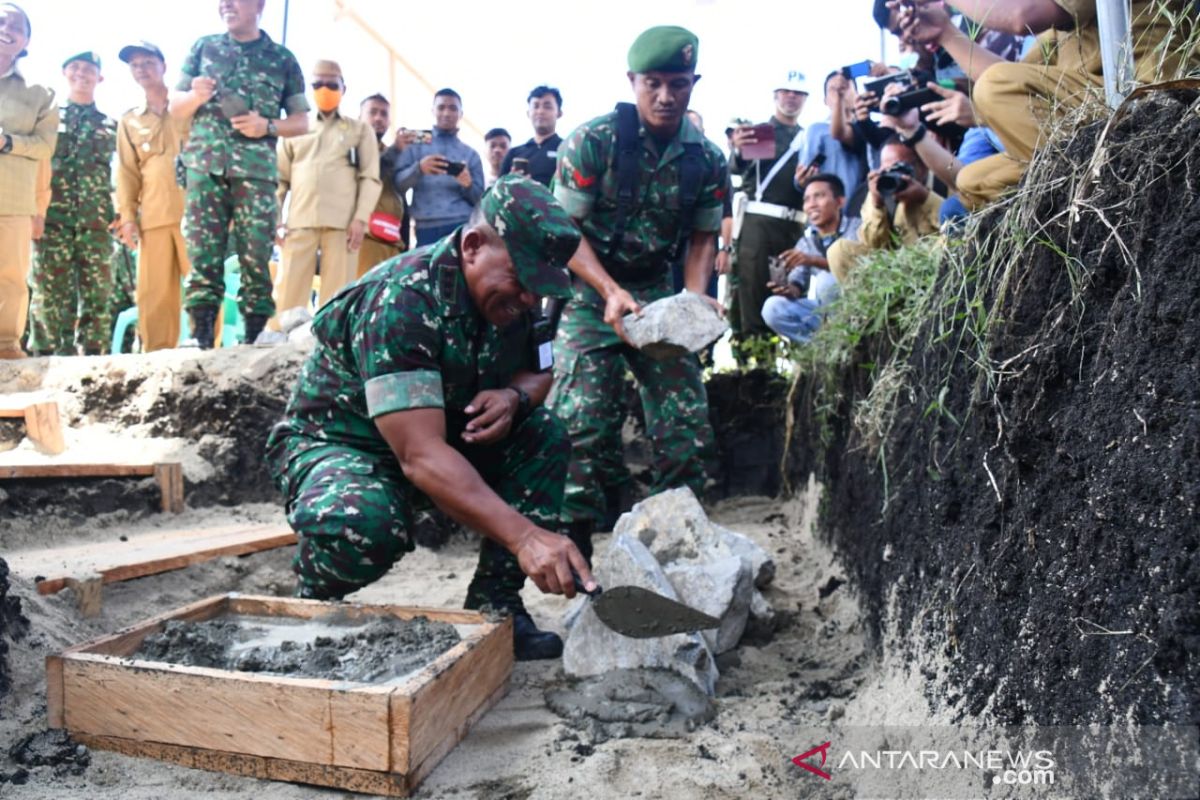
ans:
(13, 626)
(1035, 520)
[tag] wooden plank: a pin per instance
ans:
(264, 606)
(451, 689)
(75, 470)
(426, 767)
(44, 427)
(87, 593)
(266, 717)
(126, 641)
(170, 481)
(141, 556)
(54, 691)
(387, 784)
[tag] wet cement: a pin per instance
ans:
(381, 650)
(644, 703)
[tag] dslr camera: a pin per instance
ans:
(914, 95)
(895, 179)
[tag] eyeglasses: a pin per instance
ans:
(335, 85)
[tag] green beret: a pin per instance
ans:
(666, 48)
(538, 233)
(87, 55)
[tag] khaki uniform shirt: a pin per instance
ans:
(29, 116)
(1155, 40)
(909, 224)
(327, 190)
(147, 144)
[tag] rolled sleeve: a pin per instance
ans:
(404, 391)
(190, 68)
(581, 168)
(578, 204)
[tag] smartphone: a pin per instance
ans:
(859, 70)
(778, 270)
(455, 167)
(817, 161)
(424, 137)
(764, 147)
(520, 165)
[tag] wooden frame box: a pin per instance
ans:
(379, 739)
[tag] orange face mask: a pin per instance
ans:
(327, 99)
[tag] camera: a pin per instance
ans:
(914, 95)
(895, 178)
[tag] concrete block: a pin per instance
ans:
(676, 325)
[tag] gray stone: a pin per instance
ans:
(681, 323)
(722, 589)
(762, 566)
(673, 525)
(592, 648)
(760, 609)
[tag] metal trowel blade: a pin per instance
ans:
(641, 614)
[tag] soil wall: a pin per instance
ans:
(1038, 523)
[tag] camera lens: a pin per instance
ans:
(891, 106)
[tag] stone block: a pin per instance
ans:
(674, 527)
(592, 648)
(722, 589)
(674, 326)
(762, 566)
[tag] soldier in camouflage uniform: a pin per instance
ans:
(72, 277)
(613, 278)
(232, 88)
(425, 386)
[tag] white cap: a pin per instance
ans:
(794, 82)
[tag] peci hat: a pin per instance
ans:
(793, 81)
(327, 67)
(539, 234)
(87, 56)
(665, 48)
(130, 50)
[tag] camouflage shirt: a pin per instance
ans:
(586, 186)
(267, 79)
(81, 169)
(406, 335)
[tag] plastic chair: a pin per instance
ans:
(126, 318)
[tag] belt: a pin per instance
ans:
(773, 210)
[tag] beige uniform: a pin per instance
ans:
(327, 194)
(29, 116)
(148, 195)
(375, 251)
(876, 233)
(1018, 99)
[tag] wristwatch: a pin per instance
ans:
(917, 135)
(524, 404)
(272, 131)
(725, 248)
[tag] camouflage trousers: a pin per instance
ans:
(353, 510)
(673, 399)
(71, 281)
(220, 212)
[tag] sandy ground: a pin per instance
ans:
(813, 670)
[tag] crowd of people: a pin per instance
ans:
(439, 377)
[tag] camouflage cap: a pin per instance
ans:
(665, 48)
(539, 234)
(86, 56)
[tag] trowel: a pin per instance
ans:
(642, 614)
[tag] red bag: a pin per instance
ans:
(383, 227)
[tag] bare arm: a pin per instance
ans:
(418, 439)
(617, 302)
(1015, 16)
(697, 269)
(294, 124)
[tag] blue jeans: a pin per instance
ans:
(431, 233)
(798, 320)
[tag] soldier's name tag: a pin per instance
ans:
(551, 154)
(545, 356)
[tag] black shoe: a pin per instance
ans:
(254, 326)
(531, 644)
(204, 321)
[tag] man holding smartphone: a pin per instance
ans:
(772, 219)
(445, 174)
(332, 174)
(231, 90)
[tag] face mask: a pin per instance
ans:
(909, 60)
(327, 99)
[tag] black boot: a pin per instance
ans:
(532, 644)
(204, 321)
(580, 531)
(254, 326)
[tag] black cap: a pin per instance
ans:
(130, 50)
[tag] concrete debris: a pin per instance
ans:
(679, 324)
(593, 649)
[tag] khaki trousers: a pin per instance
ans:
(843, 255)
(15, 247)
(162, 263)
(374, 252)
(293, 286)
(1017, 100)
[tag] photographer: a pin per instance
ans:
(899, 210)
(795, 311)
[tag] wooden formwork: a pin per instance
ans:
(379, 739)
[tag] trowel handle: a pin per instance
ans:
(579, 586)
